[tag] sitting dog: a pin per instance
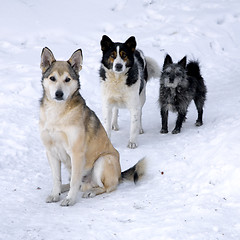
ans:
(73, 135)
(124, 73)
(179, 85)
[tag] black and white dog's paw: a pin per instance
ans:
(115, 127)
(132, 145)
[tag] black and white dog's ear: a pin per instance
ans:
(106, 43)
(183, 62)
(131, 43)
(76, 60)
(47, 58)
(167, 60)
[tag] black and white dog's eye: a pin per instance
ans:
(67, 79)
(123, 54)
(113, 55)
(53, 78)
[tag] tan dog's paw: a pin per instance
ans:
(89, 194)
(52, 198)
(67, 202)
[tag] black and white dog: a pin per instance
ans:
(124, 73)
(179, 85)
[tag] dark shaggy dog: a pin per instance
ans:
(179, 85)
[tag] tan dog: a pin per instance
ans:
(73, 134)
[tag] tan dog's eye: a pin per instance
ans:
(67, 79)
(53, 78)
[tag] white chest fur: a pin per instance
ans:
(53, 132)
(116, 92)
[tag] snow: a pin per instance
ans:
(192, 186)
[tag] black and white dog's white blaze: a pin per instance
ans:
(124, 73)
(180, 83)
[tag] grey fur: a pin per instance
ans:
(179, 85)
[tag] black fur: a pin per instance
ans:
(131, 174)
(135, 63)
(179, 85)
(102, 74)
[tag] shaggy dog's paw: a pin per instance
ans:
(141, 131)
(67, 202)
(198, 123)
(176, 131)
(52, 198)
(164, 131)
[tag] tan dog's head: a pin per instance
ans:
(60, 79)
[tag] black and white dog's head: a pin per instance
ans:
(117, 56)
(173, 74)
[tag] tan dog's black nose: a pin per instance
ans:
(59, 95)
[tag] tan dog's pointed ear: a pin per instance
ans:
(76, 60)
(47, 59)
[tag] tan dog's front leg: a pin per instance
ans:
(55, 165)
(77, 161)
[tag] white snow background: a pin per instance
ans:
(192, 186)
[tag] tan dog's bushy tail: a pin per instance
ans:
(136, 172)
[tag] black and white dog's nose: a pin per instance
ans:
(59, 95)
(118, 67)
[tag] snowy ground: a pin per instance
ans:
(198, 195)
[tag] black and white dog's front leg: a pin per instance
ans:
(135, 126)
(107, 119)
(115, 126)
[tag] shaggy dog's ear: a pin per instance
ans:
(183, 62)
(47, 59)
(76, 60)
(105, 43)
(167, 61)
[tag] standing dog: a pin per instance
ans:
(179, 85)
(124, 73)
(73, 135)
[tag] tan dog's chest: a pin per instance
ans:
(55, 134)
(56, 141)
